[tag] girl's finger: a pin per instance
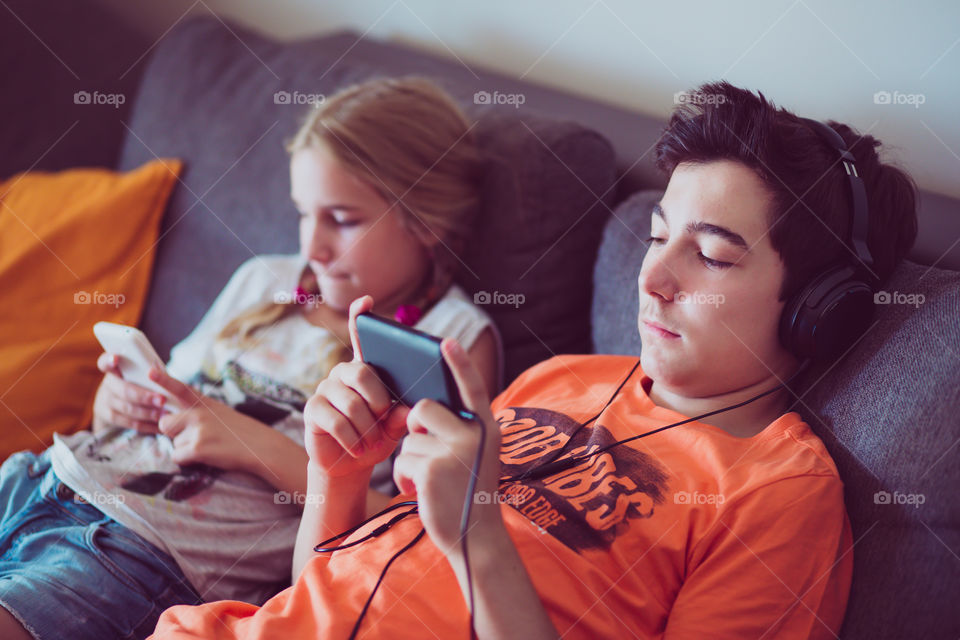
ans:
(183, 393)
(134, 411)
(105, 362)
(172, 424)
(123, 421)
(134, 393)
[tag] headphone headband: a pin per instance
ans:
(834, 308)
(858, 194)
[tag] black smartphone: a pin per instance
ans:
(408, 362)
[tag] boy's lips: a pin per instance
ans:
(660, 330)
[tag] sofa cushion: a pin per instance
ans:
(208, 96)
(888, 415)
(76, 247)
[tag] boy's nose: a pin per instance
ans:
(657, 279)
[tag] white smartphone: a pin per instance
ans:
(137, 356)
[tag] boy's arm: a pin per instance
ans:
(333, 505)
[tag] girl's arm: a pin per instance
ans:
(285, 464)
(279, 461)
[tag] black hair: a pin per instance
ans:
(719, 121)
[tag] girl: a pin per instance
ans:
(155, 507)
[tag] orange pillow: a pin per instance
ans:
(76, 247)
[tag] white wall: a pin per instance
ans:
(819, 58)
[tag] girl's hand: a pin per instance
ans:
(207, 431)
(350, 423)
(119, 403)
(437, 457)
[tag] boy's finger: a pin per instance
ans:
(358, 306)
(473, 390)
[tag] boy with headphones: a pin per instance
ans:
(672, 496)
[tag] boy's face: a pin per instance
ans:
(711, 278)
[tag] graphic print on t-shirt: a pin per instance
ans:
(588, 505)
(250, 393)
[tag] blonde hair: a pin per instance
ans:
(409, 141)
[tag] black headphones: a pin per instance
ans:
(834, 309)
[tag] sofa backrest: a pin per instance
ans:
(633, 135)
(889, 413)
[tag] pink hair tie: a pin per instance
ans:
(299, 295)
(408, 314)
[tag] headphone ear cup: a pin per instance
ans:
(828, 315)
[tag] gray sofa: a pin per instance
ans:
(571, 182)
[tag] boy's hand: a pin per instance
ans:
(437, 457)
(350, 422)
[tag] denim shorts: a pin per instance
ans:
(69, 571)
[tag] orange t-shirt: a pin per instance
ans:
(690, 532)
